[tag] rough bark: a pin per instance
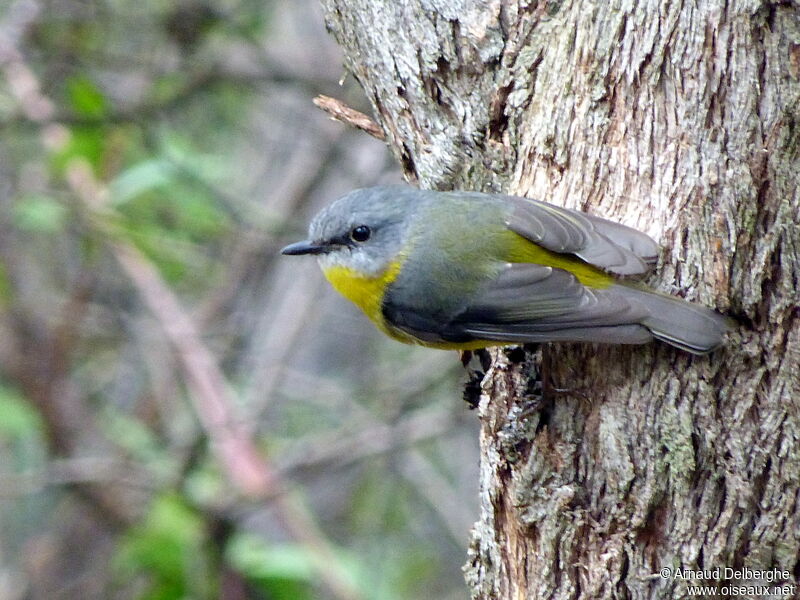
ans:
(680, 119)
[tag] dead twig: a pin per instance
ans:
(213, 400)
(339, 449)
(339, 111)
(210, 393)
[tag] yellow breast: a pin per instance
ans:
(367, 293)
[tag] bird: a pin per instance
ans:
(468, 270)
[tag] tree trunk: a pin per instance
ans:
(679, 119)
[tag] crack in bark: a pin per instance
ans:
(680, 119)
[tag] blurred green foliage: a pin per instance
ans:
(19, 421)
(85, 98)
(279, 571)
(169, 550)
(201, 135)
(40, 213)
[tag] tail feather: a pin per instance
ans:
(688, 326)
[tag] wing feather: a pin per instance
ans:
(527, 303)
(602, 243)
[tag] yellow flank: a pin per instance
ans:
(525, 251)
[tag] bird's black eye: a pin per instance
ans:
(360, 233)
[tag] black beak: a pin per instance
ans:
(306, 247)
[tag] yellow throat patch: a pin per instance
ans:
(365, 292)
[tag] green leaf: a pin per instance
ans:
(254, 558)
(284, 589)
(140, 178)
(39, 213)
(168, 547)
(85, 97)
(281, 571)
(285, 571)
(17, 417)
(87, 142)
(170, 517)
(199, 165)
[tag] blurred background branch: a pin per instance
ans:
(183, 414)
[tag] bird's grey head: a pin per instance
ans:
(364, 230)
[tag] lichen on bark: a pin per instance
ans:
(679, 119)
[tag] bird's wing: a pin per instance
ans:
(602, 243)
(528, 303)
